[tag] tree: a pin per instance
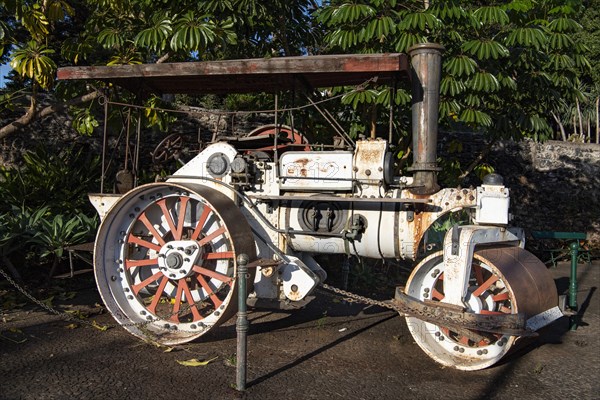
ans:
(507, 63)
(39, 35)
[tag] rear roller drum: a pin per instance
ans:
(503, 280)
(165, 260)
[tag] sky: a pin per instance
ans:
(4, 69)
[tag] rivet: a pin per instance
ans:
(127, 290)
(113, 278)
(426, 290)
(437, 334)
(137, 209)
(122, 233)
(149, 318)
(131, 215)
(441, 338)
(119, 261)
(183, 271)
(143, 312)
(130, 297)
(217, 313)
(121, 270)
(193, 326)
(180, 248)
(461, 350)
(484, 351)
(169, 247)
(479, 352)
(455, 348)
(172, 275)
(425, 295)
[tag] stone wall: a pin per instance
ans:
(555, 186)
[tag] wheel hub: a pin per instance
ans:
(177, 258)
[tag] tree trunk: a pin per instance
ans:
(597, 120)
(477, 160)
(580, 120)
(560, 126)
(574, 124)
(31, 115)
(11, 268)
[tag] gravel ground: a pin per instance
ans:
(328, 350)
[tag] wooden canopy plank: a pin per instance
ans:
(251, 75)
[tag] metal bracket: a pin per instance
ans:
(459, 246)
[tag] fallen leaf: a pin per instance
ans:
(72, 326)
(169, 349)
(195, 363)
(48, 301)
(98, 326)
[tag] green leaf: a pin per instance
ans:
(491, 15)
(451, 86)
(460, 65)
(485, 49)
(526, 37)
(484, 82)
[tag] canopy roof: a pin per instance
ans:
(251, 75)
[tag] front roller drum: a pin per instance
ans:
(165, 260)
(503, 280)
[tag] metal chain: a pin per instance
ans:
(361, 299)
(70, 317)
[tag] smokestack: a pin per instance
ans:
(426, 62)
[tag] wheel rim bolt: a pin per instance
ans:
(461, 350)
(484, 351)
(455, 348)
(437, 334)
(479, 352)
(130, 297)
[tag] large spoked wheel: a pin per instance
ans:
(165, 260)
(503, 280)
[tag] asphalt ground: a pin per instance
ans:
(328, 350)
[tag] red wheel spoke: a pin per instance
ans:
(479, 291)
(488, 312)
(151, 229)
(157, 295)
(201, 221)
(217, 302)
(212, 274)
(505, 310)
(144, 243)
(136, 288)
(218, 255)
(500, 297)
(177, 305)
(190, 300)
(182, 209)
(210, 237)
(464, 340)
(163, 206)
(478, 274)
(141, 263)
(436, 295)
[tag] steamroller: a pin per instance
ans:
(166, 252)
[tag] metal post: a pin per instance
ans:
(241, 326)
(573, 284)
